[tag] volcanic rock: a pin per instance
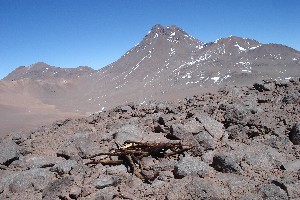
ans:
(191, 166)
(9, 152)
(105, 181)
(295, 134)
(58, 189)
(225, 163)
(63, 167)
(292, 165)
(271, 191)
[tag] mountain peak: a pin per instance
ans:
(38, 65)
(157, 27)
(165, 37)
(172, 34)
(167, 30)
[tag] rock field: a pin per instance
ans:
(243, 144)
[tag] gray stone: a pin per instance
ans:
(206, 140)
(165, 176)
(208, 156)
(257, 156)
(225, 163)
(148, 162)
(75, 192)
(128, 132)
(164, 165)
(295, 134)
(292, 166)
(191, 166)
(193, 126)
(34, 178)
(212, 126)
(117, 170)
(32, 162)
(58, 189)
(282, 83)
(237, 184)
(103, 194)
(178, 130)
(278, 131)
(126, 109)
(293, 190)
(19, 137)
(290, 183)
(9, 151)
(102, 136)
(186, 131)
(251, 196)
(238, 132)
(63, 167)
(272, 192)
(161, 106)
(82, 145)
(262, 157)
(1, 189)
(236, 114)
(105, 181)
(230, 90)
(197, 188)
(80, 168)
(87, 148)
(291, 98)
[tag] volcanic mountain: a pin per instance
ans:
(168, 64)
(41, 71)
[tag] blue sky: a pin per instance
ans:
(72, 33)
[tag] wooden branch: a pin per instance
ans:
(107, 154)
(106, 162)
(135, 171)
(133, 152)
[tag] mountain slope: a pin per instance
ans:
(168, 64)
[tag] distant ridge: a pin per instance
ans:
(41, 70)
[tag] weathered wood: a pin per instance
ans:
(106, 162)
(133, 152)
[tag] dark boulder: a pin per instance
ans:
(295, 134)
(224, 163)
(266, 85)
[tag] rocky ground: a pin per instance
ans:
(243, 143)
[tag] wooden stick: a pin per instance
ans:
(106, 162)
(135, 171)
